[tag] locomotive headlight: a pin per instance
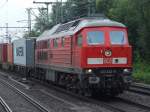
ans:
(127, 71)
(88, 71)
(108, 53)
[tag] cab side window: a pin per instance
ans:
(63, 41)
(48, 44)
(79, 40)
(55, 42)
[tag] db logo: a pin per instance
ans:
(107, 60)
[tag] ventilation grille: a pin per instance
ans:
(67, 26)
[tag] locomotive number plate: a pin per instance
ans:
(94, 80)
(107, 60)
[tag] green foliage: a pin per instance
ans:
(141, 72)
(103, 6)
(42, 22)
(33, 33)
(73, 9)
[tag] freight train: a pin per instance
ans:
(88, 56)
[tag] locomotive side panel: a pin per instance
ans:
(61, 55)
(41, 52)
(55, 55)
(76, 50)
(1, 53)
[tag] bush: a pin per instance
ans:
(141, 72)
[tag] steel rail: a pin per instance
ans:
(144, 107)
(97, 102)
(29, 99)
(4, 104)
(80, 97)
(141, 89)
(142, 86)
(105, 104)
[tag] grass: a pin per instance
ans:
(141, 72)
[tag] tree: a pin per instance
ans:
(143, 14)
(72, 9)
(33, 33)
(103, 6)
(41, 21)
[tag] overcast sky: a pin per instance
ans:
(15, 10)
(12, 11)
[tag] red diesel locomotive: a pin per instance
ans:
(88, 55)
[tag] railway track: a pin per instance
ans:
(6, 108)
(80, 97)
(116, 104)
(25, 96)
(140, 88)
(110, 104)
(133, 104)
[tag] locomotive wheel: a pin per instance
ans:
(83, 91)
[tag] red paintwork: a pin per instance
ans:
(56, 56)
(97, 51)
(3, 52)
(72, 55)
(10, 53)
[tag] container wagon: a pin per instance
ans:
(23, 55)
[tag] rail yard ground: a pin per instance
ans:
(54, 100)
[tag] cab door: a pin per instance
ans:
(76, 50)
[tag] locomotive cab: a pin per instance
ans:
(106, 58)
(106, 47)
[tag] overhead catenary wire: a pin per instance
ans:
(33, 13)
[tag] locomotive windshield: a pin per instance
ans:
(117, 37)
(95, 37)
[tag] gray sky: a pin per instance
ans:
(15, 10)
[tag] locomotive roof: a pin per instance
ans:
(47, 33)
(72, 27)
